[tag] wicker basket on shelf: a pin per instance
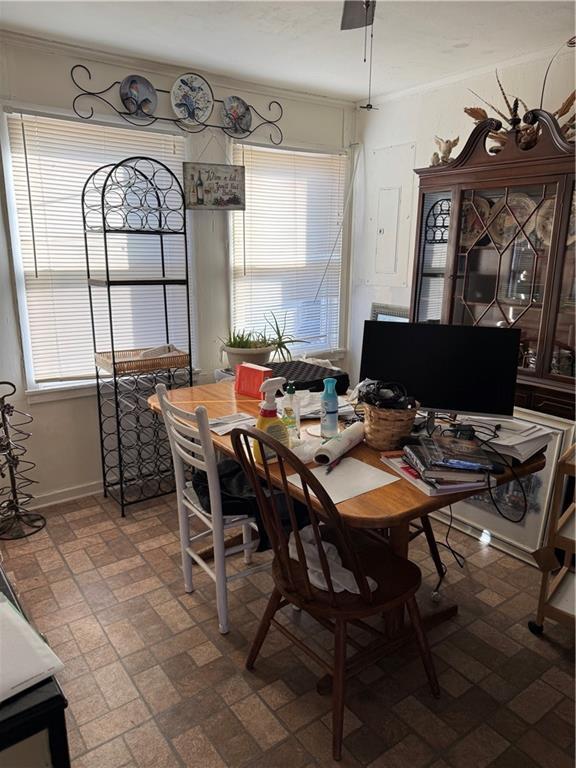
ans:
(129, 361)
(385, 428)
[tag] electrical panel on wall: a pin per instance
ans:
(390, 185)
(387, 224)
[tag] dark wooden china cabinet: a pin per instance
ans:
(496, 246)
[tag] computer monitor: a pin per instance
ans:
(448, 368)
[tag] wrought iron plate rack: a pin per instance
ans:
(104, 96)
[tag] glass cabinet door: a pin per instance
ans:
(502, 258)
(435, 223)
(562, 361)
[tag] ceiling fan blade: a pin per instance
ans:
(357, 14)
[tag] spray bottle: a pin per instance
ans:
(329, 409)
(268, 420)
(291, 413)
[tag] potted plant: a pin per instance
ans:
(257, 347)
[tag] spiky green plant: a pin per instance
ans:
(246, 339)
(279, 338)
(275, 337)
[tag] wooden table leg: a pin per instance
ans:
(433, 613)
(399, 542)
(400, 539)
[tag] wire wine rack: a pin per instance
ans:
(138, 283)
(16, 520)
(137, 461)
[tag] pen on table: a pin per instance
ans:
(332, 465)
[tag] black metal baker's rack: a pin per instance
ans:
(138, 282)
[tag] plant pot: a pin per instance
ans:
(255, 355)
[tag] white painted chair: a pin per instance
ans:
(191, 445)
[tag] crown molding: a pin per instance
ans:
(84, 53)
(543, 54)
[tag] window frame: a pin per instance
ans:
(70, 388)
(341, 350)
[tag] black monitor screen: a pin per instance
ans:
(445, 367)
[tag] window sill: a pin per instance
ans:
(333, 355)
(66, 390)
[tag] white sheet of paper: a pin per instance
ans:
(348, 479)
(225, 424)
(25, 659)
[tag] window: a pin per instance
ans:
(287, 244)
(51, 160)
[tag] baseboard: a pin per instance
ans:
(65, 494)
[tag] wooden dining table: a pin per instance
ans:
(392, 507)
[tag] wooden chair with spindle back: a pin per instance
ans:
(394, 579)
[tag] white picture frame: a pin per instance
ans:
(480, 519)
(390, 313)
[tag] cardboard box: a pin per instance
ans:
(249, 378)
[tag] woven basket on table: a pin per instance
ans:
(384, 428)
(129, 361)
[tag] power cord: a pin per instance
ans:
(493, 433)
(458, 556)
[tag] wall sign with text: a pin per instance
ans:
(212, 187)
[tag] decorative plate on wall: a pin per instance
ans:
(472, 223)
(138, 96)
(236, 114)
(504, 227)
(192, 98)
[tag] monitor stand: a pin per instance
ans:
(431, 420)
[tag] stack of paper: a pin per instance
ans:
(310, 407)
(225, 424)
(515, 438)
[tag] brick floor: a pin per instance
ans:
(151, 682)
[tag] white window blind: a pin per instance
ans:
(287, 244)
(51, 160)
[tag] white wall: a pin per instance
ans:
(400, 137)
(36, 75)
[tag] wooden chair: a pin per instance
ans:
(396, 579)
(556, 599)
(191, 445)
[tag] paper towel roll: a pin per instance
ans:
(337, 446)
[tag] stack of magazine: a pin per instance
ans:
(439, 465)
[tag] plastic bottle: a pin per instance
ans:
(200, 189)
(291, 413)
(329, 409)
(268, 420)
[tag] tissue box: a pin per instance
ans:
(249, 377)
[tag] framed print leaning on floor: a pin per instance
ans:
(478, 517)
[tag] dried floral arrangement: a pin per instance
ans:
(527, 134)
